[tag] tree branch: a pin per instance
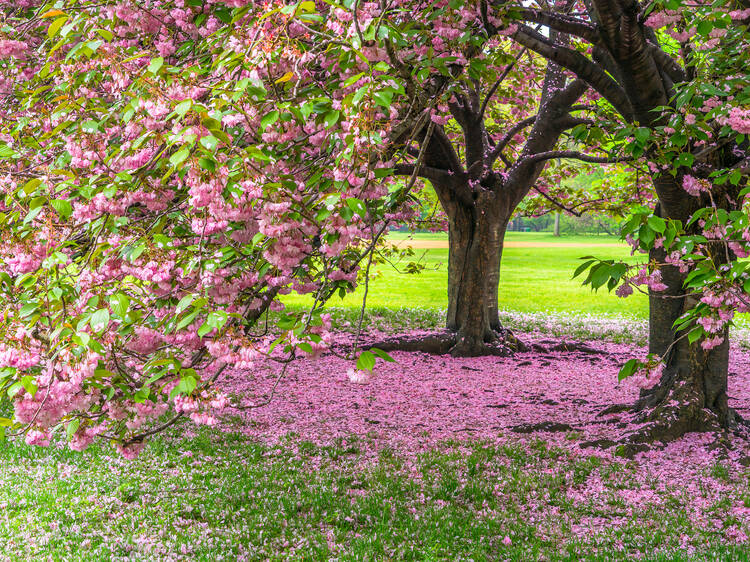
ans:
(562, 23)
(667, 63)
(507, 137)
(574, 155)
(425, 172)
(499, 81)
(577, 63)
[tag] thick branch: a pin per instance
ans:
(575, 155)
(668, 64)
(562, 23)
(576, 62)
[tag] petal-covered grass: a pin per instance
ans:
(424, 462)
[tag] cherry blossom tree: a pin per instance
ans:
(677, 73)
(490, 135)
(169, 170)
(482, 164)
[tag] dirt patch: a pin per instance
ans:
(443, 244)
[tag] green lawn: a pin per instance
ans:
(531, 279)
(220, 497)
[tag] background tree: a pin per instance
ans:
(483, 151)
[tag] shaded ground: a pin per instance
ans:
(421, 399)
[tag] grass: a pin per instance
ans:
(217, 496)
(531, 279)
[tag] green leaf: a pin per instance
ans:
(155, 65)
(55, 26)
(90, 126)
(207, 164)
(72, 427)
(642, 134)
(187, 320)
(105, 34)
(184, 303)
(269, 119)
(217, 319)
(628, 369)
(331, 118)
(583, 267)
(120, 303)
(209, 142)
(657, 223)
(63, 208)
(100, 320)
(695, 334)
(684, 159)
(142, 395)
(599, 275)
(28, 383)
(183, 107)
(28, 309)
(366, 361)
(352, 79)
(14, 389)
(179, 157)
(357, 206)
(186, 385)
(382, 354)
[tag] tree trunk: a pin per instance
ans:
(557, 223)
(691, 394)
(476, 235)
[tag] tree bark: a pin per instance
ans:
(476, 234)
(691, 394)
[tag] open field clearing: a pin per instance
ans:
(536, 274)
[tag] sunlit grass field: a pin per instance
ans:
(531, 278)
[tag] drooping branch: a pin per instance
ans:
(557, 204)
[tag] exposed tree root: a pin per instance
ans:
(438, 343)
(668, 412)
(502, 344)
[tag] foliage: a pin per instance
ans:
(170, 169)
